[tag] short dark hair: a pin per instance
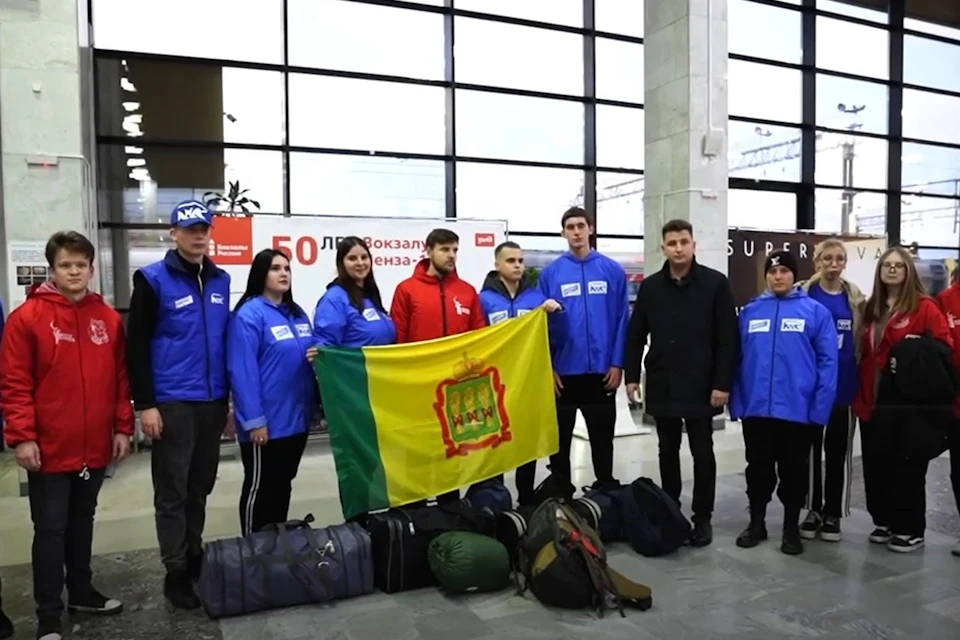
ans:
(676, 226)
(441, 236)
(575, 212)
(70, 241)
(509, 244)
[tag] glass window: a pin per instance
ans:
(507, 127)
(620, 203)
(851, 161)
(852, 48)
(142, 247)
(931, 116)
(565, 12)
(930, 169)
(762, 152)
(623, 17)
(619, 70)
(779, 100)
(769, 210)
(528, 198)
(931, 28)
(521, 58)
(366, 186)
(620, 141)
(242, 30)
(927, 253)
(845, 104)
(225, 104)
(930, 63)
(367, 38)
(848, 9)
(144, 183)
(929, 220)
(763, 31)
(861, 209)
(366, 114)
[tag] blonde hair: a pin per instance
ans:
(908, 300)
(829, 243)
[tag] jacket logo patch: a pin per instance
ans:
(304, 331)
(461, 310)
(183, 302)
(61, 336)
(371, 315)
(216, 298)
(793, 325)
(597, 287)
(844, 325)
(498, 316)
(570, 290)
(98, 332)
(759, 326)
(281, 332)
(523, 312)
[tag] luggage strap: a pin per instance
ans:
(300, 565)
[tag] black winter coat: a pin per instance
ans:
(694, 341)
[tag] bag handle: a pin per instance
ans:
(318, 590)
(289, 525)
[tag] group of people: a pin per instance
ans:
(799, 357)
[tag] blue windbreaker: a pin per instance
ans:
(788, 361)
(337, 323)
(593, 292)
(499, 306)
(273, 383)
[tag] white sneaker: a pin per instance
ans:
(956, 550)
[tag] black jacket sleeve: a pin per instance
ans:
(637, 332)
(141, 325)
(726, 351)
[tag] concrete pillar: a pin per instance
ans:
(685, 71)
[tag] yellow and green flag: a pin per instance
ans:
(413, 421)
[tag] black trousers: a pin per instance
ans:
(587, 394)
(184, 464)
(827, 495)
(896, 488)
(525, 476)
(62, 506)
(268, 473)
(700, 438)
(776, 450)
(954, 436)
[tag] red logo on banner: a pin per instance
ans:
(483, 239)
(231, 241)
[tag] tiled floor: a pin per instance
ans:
(851, 590)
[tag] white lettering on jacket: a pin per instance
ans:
(570, 290)
(461, 310)
(98, 332)
(498, 316)
(523, 312)
(216, 298)
(61, 336)
(371, 315)
(793, 325)
(759, 326)
(597, 287)
(281, 332)
(304, 331)
(844, 325)
(180, 303)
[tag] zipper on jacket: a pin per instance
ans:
(206, 338)
(773, 356)
(443, 307)
(586, 315)
(85, 472)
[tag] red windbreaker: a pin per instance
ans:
(63, 380)
(425, 307)
(949, 300)
(928, 317)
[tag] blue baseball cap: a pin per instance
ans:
(189, 213)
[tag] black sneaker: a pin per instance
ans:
(754, 534)
(195, 566)
(905, 544)
(702, 534)
(92, 601)
(810, 527)
(881, 535)
(6, 626)
(49, 629)
(178, 589)
(791, 543)
(830, 531)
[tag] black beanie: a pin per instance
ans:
(782, 259)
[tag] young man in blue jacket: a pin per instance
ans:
(588, 364)
(507, 294)
(177, 333)
(784, 389)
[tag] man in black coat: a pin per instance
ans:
(687, 309)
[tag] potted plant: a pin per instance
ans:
(234, 202)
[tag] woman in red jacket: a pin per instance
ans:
(949, 300)
(895, 486)
(66, 402)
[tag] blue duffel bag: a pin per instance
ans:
(607, 505)
(284, 566)
(490, 494)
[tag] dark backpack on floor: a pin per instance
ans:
(652, 520)
(490, 494)
(563, 562)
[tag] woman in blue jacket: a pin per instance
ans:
(784, 388)
(274, 389)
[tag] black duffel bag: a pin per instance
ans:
(284, 566)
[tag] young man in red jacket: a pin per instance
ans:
(434, 302)
(66, 402)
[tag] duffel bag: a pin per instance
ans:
(400, 539)
(653, 522)
(465, 561)
(606, 505)
(284, 566)
(490, 494)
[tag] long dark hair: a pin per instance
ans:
(257, 281)
(357, 293)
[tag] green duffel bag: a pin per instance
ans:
(466, 561)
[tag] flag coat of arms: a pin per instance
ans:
(413, 421)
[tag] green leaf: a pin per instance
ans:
(255, 203)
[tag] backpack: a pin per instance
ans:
(565, 565)
(653, 522)
(490, 494)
